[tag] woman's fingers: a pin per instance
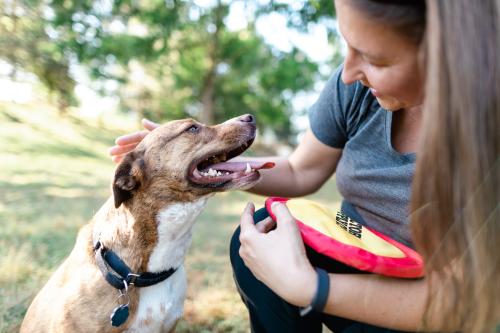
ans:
(121, 150)
(128, 142)
(117, 158)
(266, 225)
(131, 138)
(246, 223)
(149, 125)
(282, 213)
(287, 224)
(137, 137)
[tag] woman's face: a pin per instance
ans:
(381, 58)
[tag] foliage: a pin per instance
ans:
(301, 13)
(165, 58)
(25, 44)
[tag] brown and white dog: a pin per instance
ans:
(158, 191)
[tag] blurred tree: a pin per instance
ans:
(25, 45)
(170, 58)
(300, 14)
(217, 73)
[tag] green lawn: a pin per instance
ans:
(54, 174)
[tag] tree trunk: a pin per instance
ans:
(208, 89)
(207, 98)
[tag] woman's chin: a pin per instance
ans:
(390, 104)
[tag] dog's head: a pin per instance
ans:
(184, 159)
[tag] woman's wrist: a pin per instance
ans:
(304, 286)
(320, 298)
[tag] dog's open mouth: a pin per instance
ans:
(215, 170)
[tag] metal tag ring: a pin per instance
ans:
(124, 294)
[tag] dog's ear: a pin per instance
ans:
(129, 176)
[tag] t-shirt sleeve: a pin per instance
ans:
(334, 116)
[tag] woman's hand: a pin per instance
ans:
(128, 142)
(278, 257)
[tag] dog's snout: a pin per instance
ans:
(247, 118)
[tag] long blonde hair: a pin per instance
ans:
(456, 190)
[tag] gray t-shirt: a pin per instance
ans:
(373, 178)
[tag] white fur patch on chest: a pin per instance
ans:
(161, 305)
(175, 223)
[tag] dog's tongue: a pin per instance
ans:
(241, 166)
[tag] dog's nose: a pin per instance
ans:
(247, 118)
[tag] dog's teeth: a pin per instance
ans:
(213, 172)
(248, 169)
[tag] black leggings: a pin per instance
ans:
(271, 314)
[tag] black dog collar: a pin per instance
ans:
(107, 258)
(120, 276)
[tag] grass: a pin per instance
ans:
(55, 174)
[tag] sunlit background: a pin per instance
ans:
(74, 75)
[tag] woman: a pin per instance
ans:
(456, 197)
(377, 96)
(364, 127)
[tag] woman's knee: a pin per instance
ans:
(234, 249)
(246, 282)
(267, 310)
(240, 271)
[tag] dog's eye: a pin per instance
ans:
(193, 129)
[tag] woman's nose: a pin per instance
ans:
(351, 72)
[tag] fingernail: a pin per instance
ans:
(275, 204)
(267, 219)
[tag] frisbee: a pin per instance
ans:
(335, 235)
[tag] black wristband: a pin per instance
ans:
(321, 297)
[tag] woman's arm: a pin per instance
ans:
(303, 172)
(387, 302)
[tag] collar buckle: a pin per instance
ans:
(131, 277)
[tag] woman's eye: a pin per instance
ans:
(377, 64)
(193, 129)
